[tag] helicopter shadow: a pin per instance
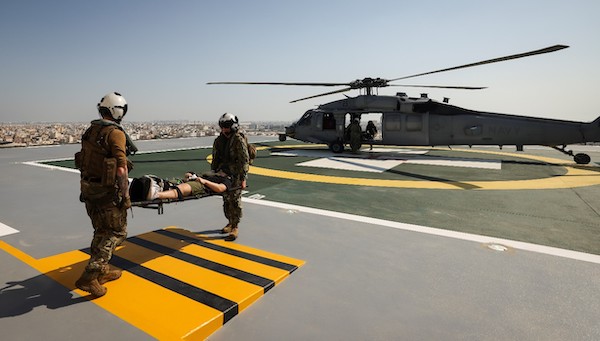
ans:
(418, 157)
(458, 184)
(592, 168)
(354, 160)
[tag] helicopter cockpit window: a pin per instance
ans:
(328, 121)
(305, 119)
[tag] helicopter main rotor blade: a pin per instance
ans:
(501, 59)
(281, 83)
(442, 86)
(324, 94)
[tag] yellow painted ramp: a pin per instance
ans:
(176, 284)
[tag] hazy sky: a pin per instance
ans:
(59, 57)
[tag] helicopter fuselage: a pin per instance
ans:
(422, 121)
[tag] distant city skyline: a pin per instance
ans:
(59, 58)
(35, 134)
(213, 122)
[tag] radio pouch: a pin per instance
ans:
(109, 171)
(78, 160)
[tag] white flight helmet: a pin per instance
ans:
(228, 120)
(114, 105)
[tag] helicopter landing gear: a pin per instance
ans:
(579, 158)
(282, 137)
(582, 159)
(336, 147)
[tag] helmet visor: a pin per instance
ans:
(226, 124)
(123, 108)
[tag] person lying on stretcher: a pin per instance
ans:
(192, 185)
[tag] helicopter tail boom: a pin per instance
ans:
(591, 131)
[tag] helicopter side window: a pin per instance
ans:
(328, 121)
(393, 123)
(414, 123)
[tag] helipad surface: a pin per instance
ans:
(449, 252)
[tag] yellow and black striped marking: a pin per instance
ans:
(175, 284)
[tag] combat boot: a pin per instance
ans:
(232, 235)
(108, 276)
(88, 282)
(226, 229)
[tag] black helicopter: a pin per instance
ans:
(408, 121)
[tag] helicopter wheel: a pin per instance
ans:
(336, 147)
(282, 137)
(582, 159)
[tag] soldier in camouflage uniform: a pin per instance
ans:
(230, 155)
(355, 135)
(104, 189)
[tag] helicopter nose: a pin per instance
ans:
(289, 131)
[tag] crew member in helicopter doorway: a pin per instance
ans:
(355, 135)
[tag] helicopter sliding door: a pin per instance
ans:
(405, 129)
(364, 119)
(373, 120)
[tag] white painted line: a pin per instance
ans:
(35, 163)
(353, 164)
(381, 159)
(5, 230)
(366, 154)
(396, 150)
(548, 250)
(486, 164)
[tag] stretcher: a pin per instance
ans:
(158, 204)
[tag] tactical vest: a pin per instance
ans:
(95, 160)
(226, 157)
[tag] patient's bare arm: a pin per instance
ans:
(213, 186)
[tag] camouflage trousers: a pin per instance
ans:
(355, 142)
(232, 205)
(110, 230)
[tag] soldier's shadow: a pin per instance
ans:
(21, 297)
(210, 235)
(54, 289)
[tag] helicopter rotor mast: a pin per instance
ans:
(369, 83)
